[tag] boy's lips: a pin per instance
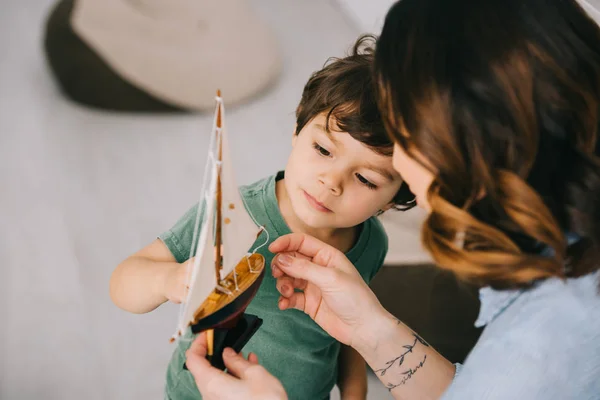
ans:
(317, 205)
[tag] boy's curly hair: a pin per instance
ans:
(344, 89)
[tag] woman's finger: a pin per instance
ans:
(253, 358)
(205, 375)
(298, 242)
(305, 270)
(300, 283)
(307, 247)
(276, 272)
(236, 364)
(297, 300)
(198, 347)
(285, 286)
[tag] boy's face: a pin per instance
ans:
(335, 181)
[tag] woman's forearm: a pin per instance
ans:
(403, 361)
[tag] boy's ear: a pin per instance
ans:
(387, 207)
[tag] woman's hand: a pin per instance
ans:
(333, 294)
(318, 279)
(245, 380)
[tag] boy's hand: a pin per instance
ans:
(176, 282)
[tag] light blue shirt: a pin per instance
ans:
(540, 343)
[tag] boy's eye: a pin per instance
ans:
(366, 182)
(323, 151)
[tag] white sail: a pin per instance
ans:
(238, 229)
(203, 278)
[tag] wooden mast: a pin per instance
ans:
(218, 239)
(210, 334)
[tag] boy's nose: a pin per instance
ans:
(332, 182)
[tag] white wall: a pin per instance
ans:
(368, 15)
(592, 7)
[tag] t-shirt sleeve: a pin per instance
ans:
(179, 238)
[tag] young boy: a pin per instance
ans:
(338, 176)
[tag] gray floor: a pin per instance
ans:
(80, 190)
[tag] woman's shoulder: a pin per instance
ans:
(553, 308)
(543, 342)
(556, 324)
(573, 299)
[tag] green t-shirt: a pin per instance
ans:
(289, 344)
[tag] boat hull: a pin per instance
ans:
(235, 304)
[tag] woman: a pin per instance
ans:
(494, 107)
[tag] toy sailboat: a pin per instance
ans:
(224, 275)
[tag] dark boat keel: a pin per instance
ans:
(235, 337)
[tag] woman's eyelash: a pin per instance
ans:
(365, 182)
(323, 151)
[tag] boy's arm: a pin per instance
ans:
(352, 374)
(147, 279)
